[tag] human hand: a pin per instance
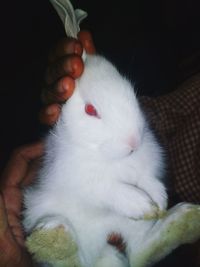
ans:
(65, 65)
(18, 173)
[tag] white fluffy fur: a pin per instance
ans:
(99, 175)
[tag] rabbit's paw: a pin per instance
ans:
(146, 211)
(55, 246)
(158, 194)
(155, 215)
(150, 211)
(135, 203)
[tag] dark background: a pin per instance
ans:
(155, 43)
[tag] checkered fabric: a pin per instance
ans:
(176, 119)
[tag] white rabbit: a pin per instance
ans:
(102, 170)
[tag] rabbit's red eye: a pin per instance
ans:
(90, 110)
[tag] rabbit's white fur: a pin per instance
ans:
(100, 174)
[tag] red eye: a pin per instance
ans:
(90, 110)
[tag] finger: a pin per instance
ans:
(16, 169)
(86, 39)
(71, 65)
(31, 172)
(59, 92)
(65, 46)
(50, 114)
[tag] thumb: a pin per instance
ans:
(3, 217)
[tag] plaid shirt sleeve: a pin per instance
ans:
(176, 119)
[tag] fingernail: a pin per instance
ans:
(51, 110)
(63, 86)
(78, 49)
(62, 89)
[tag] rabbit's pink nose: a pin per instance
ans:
(133, 142)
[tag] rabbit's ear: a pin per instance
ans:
(71, 18)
